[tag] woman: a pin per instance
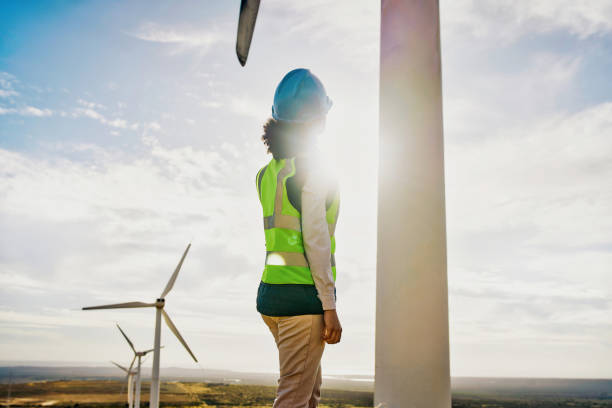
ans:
(297, 296)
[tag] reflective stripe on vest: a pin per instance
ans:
(286, 262)
(290, 258)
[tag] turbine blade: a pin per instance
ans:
(130, 391)
(175, 274)
(131, 365)
(120, 366)
(121, 306)
(246, 26)
(127, 339)
(177, 334)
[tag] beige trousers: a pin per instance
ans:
(300, 348)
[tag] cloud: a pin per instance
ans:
(32, 111)
(95, 115)
(73, 229)
(211, 104)
(478, 100)
(173, 194)
(245, 106)
(181, 39)
(5, 93)
(26, 111)
(527, 192)
(527, 184)
(91, 105)
(352, 27)
(527, 207)
(154, 126)
(549, 167)
(508, 20)
(7, 81)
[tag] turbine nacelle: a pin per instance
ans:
(144, 353)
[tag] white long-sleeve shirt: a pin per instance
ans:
(315, 234)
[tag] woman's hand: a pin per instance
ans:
(333, 330)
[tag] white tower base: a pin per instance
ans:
(138, 380)
(412, 350)
(154, 397)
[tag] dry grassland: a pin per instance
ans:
(173, 394)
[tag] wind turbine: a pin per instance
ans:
(159, 311)
(137, 355)
(130, 382)
(412, 348)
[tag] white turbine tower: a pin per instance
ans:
(159, 311)
(130, 382)
(137, 355)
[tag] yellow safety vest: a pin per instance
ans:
(286, 262)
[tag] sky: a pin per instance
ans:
(128, 130)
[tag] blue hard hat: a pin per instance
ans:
(300, 97)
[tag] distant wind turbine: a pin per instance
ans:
(130, 382)
(159, 306)
(139, 355)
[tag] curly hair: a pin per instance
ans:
(287, 139)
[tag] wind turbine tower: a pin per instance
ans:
(412, 348)
(159, 312)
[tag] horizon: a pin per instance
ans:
(129, 130)
(328, 375)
